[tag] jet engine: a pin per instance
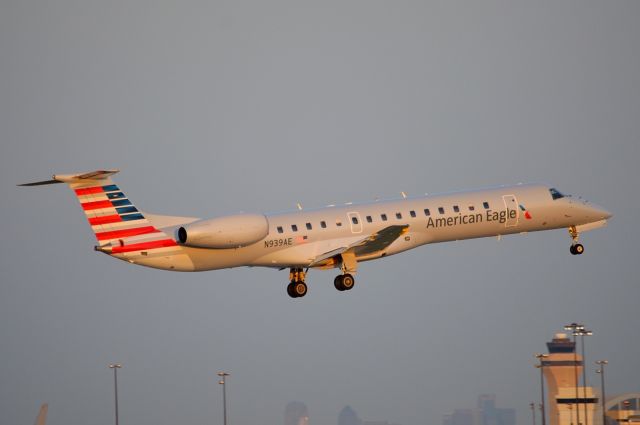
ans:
(234, 231)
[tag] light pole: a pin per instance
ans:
(540, 366)
(574, 327)
(582, 333)
(223, 382)
(602, 363)
(115, 367)
(570, 407)
(533, 412)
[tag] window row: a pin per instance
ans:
(383, 217)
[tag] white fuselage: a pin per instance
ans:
(295, 239)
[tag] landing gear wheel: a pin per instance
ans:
(300, 289)
(344, 282)
(347, 282)
(296, 287)
(577, 249)
(337, 282)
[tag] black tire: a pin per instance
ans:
(347, 282)
(337, 282)
(290, 291)
(578, 249)
(572, 250)
(300, 289)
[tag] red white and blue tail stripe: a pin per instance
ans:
(118, 225)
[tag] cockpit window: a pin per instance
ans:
(555, 193)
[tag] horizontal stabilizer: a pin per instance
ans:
(74, 178)
(41, 183)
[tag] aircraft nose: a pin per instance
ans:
(600, 213)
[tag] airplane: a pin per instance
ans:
(325, 238)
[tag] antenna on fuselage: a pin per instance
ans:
(404, 195)
(299, 206)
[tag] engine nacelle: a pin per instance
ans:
(232, 231)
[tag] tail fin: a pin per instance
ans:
(117, 224)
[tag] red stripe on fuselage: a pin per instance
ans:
(105, 219)
(116, 234)
(143, 246)
(89, 190)
(96, 205)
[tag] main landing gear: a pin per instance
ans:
(297, 288)
(344, 282)
(576, 248)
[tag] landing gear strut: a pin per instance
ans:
(575, 248)
(297, 288)
(349, 265)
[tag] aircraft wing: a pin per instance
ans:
(371, 244)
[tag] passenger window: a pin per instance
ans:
(339, 223)
(354, 220)
(471, 208)
(485, 205)
(294, 227)
(456, 208)
(323, 224)
(399, 216)
(369, 219)
(412, 214)
(383, 217)
(427, 212)
(308, 226)
(280, 229)
(441, 210)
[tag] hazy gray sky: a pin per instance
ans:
(212, 107)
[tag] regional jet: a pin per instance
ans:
(332, 237)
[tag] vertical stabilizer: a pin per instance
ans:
(118, 225)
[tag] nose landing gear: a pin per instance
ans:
(575, 248)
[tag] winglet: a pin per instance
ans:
(74, 178)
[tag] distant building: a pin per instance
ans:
(348, 416)
(623, 409)
(485, 414)
(296, 413)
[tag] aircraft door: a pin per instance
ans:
(511, 209)
(355, 222)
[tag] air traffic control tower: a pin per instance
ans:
(568, 402)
